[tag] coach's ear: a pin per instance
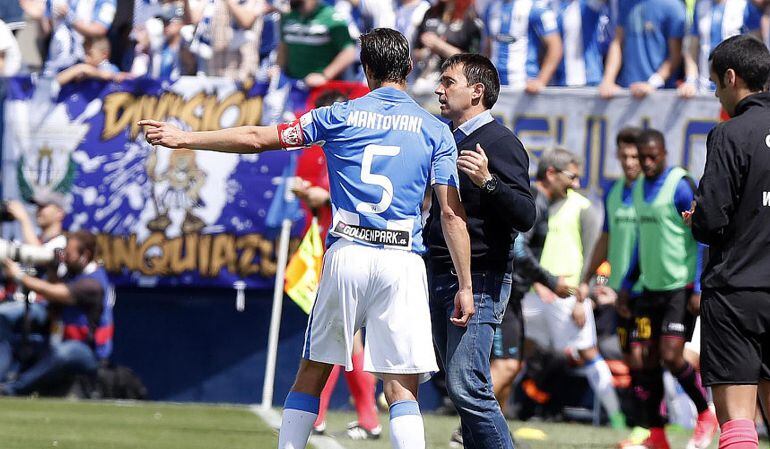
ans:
(478, 93)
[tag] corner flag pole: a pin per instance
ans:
(275, 316)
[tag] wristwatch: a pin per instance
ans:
(490, 184)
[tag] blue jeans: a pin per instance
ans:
(53, 363)
(56, 364)
(465, 354)
(11, 327)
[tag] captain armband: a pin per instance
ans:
(291, 136)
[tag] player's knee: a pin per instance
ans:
(672, 359)
(400, 388)
(311, 377)
(506, 369)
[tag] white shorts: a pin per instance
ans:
(551, 325)
(383, 290)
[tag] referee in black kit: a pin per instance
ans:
(732, 215)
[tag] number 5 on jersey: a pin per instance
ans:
(378, 180)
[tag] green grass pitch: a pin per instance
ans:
(42, 424)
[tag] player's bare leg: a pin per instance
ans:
(301, 407)
(736, 408)
(406, 425)
(504, 372)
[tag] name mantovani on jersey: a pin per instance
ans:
(382, 150)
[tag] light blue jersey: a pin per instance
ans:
(581, 22)
(382, 150)
(515, 29)
(714, 22)
(647, 27)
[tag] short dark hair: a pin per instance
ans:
(100, 42)
(329, 97)
(86, 242)
(629, 135)
(478, 69)
(385, 53)
(651, 135)
(747, 56)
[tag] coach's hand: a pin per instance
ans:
(162, 133)
(475, 164)
(464, 308)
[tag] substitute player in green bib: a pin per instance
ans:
(315, 43)
(616, 245)
(665, 262)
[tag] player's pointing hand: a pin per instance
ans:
(162, 133)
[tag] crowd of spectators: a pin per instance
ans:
(641, 45)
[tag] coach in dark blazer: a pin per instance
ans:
(494, 187)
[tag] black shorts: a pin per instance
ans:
(662, 314)
(625, 329)
(735, 336)
(509, 335)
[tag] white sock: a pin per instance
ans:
(406, 427)
(600, 379)
(299, 413)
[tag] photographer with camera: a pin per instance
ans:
(79, 312)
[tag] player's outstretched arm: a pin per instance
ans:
(456, 236)
(241, 139)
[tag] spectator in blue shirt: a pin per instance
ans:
(714, 21)
(70, 22)
(580, 23)
(647, 49)
(523, 42)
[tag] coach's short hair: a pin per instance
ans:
(559, 158)
(385, 53)
(629, 135)
(478, 69)
(651, 135)
(747, 56)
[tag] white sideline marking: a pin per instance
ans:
(273, 419)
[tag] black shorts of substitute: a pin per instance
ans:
(625, 327)
(662, 314)
(735, 336)
(508, 342)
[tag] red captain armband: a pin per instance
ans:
(290, 134)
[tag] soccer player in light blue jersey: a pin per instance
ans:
(580, 24)
(713, 22)
(383, 151)
(523, 42)
(646, 52)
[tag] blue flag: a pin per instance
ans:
(284, 205)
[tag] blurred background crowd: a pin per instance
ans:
(533, 43)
